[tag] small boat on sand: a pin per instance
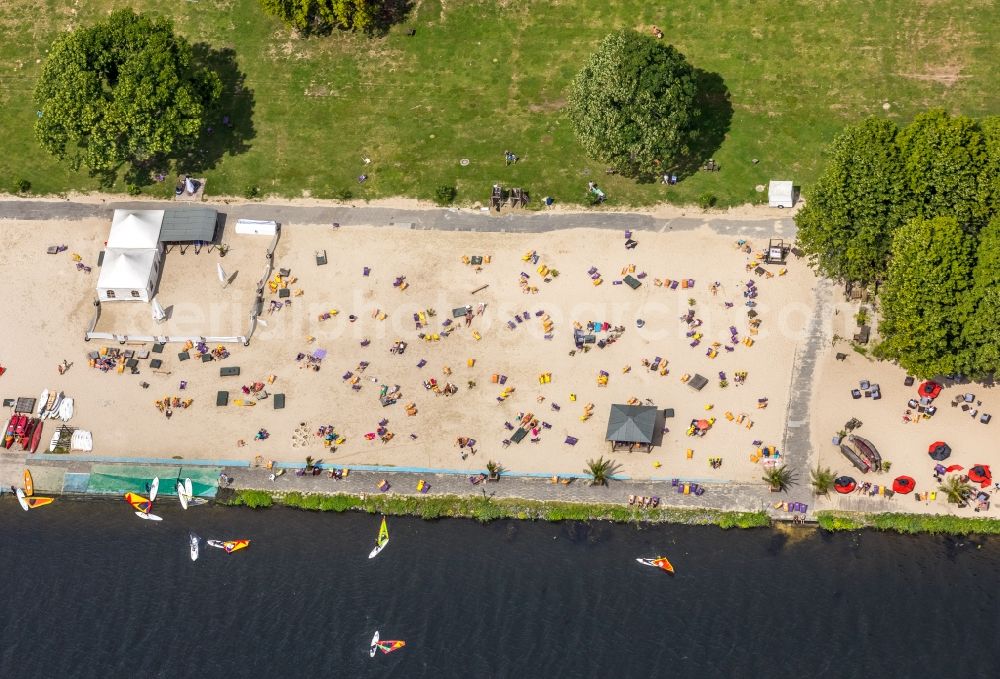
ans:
(660, 562)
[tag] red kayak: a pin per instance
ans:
(36, 436)
(25, 439)
(14, 430)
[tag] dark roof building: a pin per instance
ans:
(631, 426)
(189, 225)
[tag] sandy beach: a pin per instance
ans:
(124, 420)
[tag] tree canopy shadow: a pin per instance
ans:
(229, 123)
(715, 109)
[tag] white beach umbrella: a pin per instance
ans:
(159, 314)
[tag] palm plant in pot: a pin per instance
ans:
(778, 478)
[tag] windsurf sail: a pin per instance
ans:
(387, 646)
(383, 534)
(664, 564)
(138, 502)
(36, 501)
(235, 545)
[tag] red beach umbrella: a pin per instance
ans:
(929, 390)
(939, 450)
(980, 473)
(903, 485)
(844, 485)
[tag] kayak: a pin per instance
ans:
(148, 516)
(659, 562)
(22, 500)
(229, 545)
(194, 545)
(35, 501)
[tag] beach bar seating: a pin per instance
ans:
(860, 463)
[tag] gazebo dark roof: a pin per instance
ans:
(632, 424)
(189, 224)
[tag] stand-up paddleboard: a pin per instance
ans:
(42, 402)
(51, 412)
(193, 539)
(182, 494)
(371, 651)
(153, 487)
(34, 502)
(29, 486)
(381, 541)
(21, 500)
(148, 516)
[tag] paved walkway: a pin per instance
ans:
(453, 219)
(797, 444)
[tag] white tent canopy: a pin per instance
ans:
(128, 274)
(781, 194)
(135, 229)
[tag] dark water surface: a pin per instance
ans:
(92, 591)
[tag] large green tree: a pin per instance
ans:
(981, 333)
(321, 16)
(943, 159)
(633, 104)
(923, 302)
(125, 90)
(857, 204)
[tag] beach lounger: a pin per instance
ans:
(231, 371)
(158, 348)
(571, 440)
(222, 398)
(205, 358)
(184, 356)
(279, 401)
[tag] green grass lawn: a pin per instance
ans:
(483, 76)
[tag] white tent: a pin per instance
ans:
(128, 274)
(135, 229)
(781, 194)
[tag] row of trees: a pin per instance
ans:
(916, 210)
(325, 16)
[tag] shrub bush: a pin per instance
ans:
(444, 195)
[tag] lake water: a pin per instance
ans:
(92, 591)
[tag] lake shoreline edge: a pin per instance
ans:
(488, 509)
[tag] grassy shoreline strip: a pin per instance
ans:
(486, 510)
(908, 524)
